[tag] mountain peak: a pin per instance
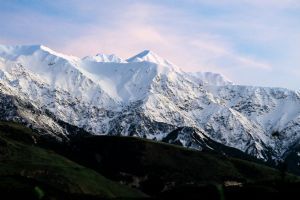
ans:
(147, 96)
(14, 51)
(210, 78)
(145, 53)
(101, 57)
(150, 56)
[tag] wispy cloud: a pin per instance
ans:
(278, 4)
(136, 31)
(234, 37)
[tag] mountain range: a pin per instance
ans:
(146, 96)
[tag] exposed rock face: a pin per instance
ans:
(145, 96)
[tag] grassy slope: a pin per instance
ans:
(31, 170)
(155, 168)
(165, 166)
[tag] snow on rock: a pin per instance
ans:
(209, 78)
(145, 96)
(104, 58)
(149, 56)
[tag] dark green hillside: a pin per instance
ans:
(30, 171)
(89, 167)
(155, 167)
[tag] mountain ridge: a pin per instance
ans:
(147, 98)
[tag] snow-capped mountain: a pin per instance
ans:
(104, 58)
(145, 96)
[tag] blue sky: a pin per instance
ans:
(252, 42)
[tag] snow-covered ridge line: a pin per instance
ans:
(104, 58)
(148, 96)
(122, 80)
(12, 52)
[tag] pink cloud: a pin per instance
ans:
(133, 32)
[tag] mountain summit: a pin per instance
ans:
(145, 96)
(149, 56)
(104, 58)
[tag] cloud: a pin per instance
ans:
(277, 4)
(34, 28)
(135, 31)
(234, 37)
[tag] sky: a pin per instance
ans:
(251, 42)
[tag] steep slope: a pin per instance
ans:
(149, 56)
(157, 168)
(34, 166)
(145, 96)
(104, 58)
(32, 172)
